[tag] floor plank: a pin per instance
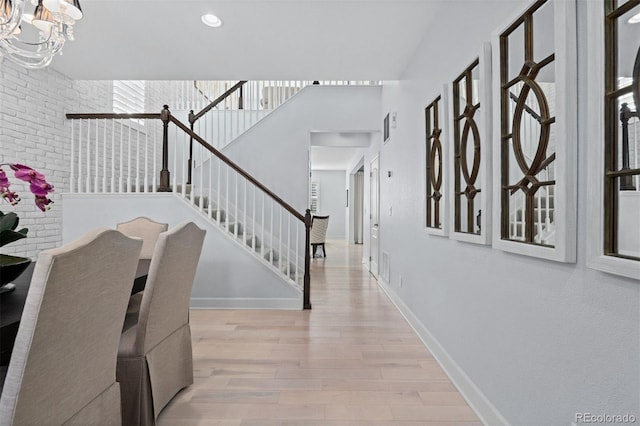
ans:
(351, 360)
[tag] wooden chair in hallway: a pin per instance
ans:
(319, 225)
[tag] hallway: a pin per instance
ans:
(351, 360)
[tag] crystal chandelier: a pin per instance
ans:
(35, 44)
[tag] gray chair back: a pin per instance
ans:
(155, 358)
(63, 365)
(165, 303)
(145, 228)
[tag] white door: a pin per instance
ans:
(375, 217)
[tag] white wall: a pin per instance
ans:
(333, 200)
(228, 275)
(35, 132)
(276, 150)
(541, 340)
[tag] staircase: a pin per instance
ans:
(125, 153)
(543, 218)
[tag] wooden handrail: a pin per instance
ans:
(527, 108)
(195, 117)
(195, 85)
(201, 141)
(237, 168)
(115, 116)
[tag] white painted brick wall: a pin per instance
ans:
(34, 131)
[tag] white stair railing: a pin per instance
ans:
(252, 214)
(122, 153)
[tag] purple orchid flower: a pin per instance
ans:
(41, 188)
(5, 191)
(37, 184)
(43, 202)
(26, 173)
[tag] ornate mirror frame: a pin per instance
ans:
(471, 125)
(636, 80)
(601, 227)
(564, 123)
(436, 151)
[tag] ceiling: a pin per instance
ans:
(333, 158)
(337, 150)
(268, 39)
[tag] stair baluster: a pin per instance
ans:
(88, 159)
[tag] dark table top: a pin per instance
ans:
(12, 303)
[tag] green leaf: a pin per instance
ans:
(9, 221)
(8, 236)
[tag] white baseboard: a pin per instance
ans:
(485, 410)
(245, 303)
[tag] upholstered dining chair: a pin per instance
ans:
(155, 358)
(63, 366)
(319, 226)
(145, 228)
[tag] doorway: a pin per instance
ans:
(358, 206)
(374, 245)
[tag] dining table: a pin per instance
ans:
(12, 304)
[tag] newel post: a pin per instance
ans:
(192, 120)
(164, 173)
(307, 260)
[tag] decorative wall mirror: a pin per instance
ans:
(471, 151)
(636, 79)
(535, 124)
(614, 154)
(436, 207)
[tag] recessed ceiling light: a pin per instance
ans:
(211, 20)
(635, 19)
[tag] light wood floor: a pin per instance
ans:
(352, 360)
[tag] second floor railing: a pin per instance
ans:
(234, 107)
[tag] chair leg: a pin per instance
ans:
(314, 247)
(324, 251)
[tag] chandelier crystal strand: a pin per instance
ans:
(43, 36)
